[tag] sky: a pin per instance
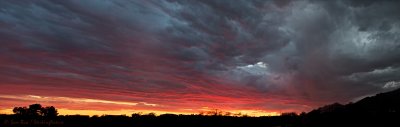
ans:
(256, 57)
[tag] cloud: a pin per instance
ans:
(391, 84)
(259, 68)
(200, 53)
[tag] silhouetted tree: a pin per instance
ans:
(21, 111)
(215, 112)
(303, 114)
(49, 111)
(151, 114)
(36, 110)
(136, 115)
(237, 114)
(227, 114)
(289, 114)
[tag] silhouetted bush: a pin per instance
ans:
(36, 110)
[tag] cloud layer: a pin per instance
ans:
(242, 55)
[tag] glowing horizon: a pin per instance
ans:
(253, 113)
(34, 99)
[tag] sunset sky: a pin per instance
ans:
(257, 57)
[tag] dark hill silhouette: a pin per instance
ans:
(381, 110)
(381, 103)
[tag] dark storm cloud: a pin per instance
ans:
(306, 51)
(329, 42)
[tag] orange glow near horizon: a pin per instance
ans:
(85, 106)
(129, 112)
